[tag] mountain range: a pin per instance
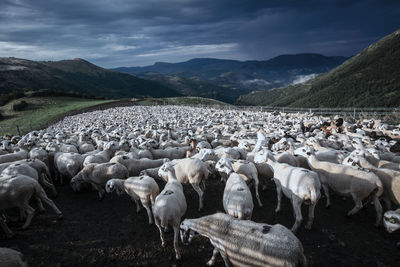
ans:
(78, 76)
(226, 80)
(369, 79)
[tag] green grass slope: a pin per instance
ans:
(40, 111)
(186, 100)
(369, 79)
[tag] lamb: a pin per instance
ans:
(16, 191)
(12, 258)
(98, 175)
(237, 198)
(246, 169)
(102, 156)
(347, 181)
(135, 166)
(188, 170)
(142, 188)
(245, 243)
(169, 207)
(299, 185)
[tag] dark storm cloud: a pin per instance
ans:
(129, 33)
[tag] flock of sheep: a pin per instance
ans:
(128, 149)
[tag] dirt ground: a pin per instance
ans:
(111, 233)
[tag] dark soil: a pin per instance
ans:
(111, 233)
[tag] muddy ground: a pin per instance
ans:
(110, 233)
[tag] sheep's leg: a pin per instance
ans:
(387, 201)
(357, 207)
(136, 200)
(176, 242)
(310, 215)
(296, 202)
(31, 212)
(51, 204)
(256, 182)
(378, 208)
(147, 207)
(48, 184)
(200, 193)
(328, 198)
(158, 224)
(278, 194)
(40, 204)
(226, 260)
(5, 228)
(214, 255)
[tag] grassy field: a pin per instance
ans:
(40, 111)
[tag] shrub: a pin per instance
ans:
(20, 106)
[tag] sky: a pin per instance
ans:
(115, 33)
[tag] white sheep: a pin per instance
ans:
(245, 168)
(347, 181)
(237, 198)
(142, 188)
(12, 258)
(246, 243)
(299, 185)
(188, 170)
(98, 175)
(169, 207)
(135, 166)
(17, 190)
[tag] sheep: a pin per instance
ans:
(102, 156)
(347, 181)
(97, 174)
(16, 191)
(245, 243)
(25, 169)
(188, 170)
(170, 152)
(12, 258)
(152, 172)
(135, 166)
(299, 185)
(390, 179)
(246, 169)
(391, 221)
(169, 207)
(237, 198)
(22, 154)
(142, 188)
(67, 165)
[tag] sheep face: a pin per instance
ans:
(224, 166)
(352, 161)
(163, 171)
(187, 234)
(76, 182)
(391, 220)
(111, 186)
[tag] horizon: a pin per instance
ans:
(136, 33)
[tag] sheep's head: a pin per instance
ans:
(245, 145)
(164, 169)
(187, 233)
(305, 151)
(224, 165)
(352, 160)
(111, 146)
(111, 186)
(77, 181)
(391, 220)
(208, 154)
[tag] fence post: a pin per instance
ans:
(18, 131)
(354, 113)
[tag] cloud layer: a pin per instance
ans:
(135, 32)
